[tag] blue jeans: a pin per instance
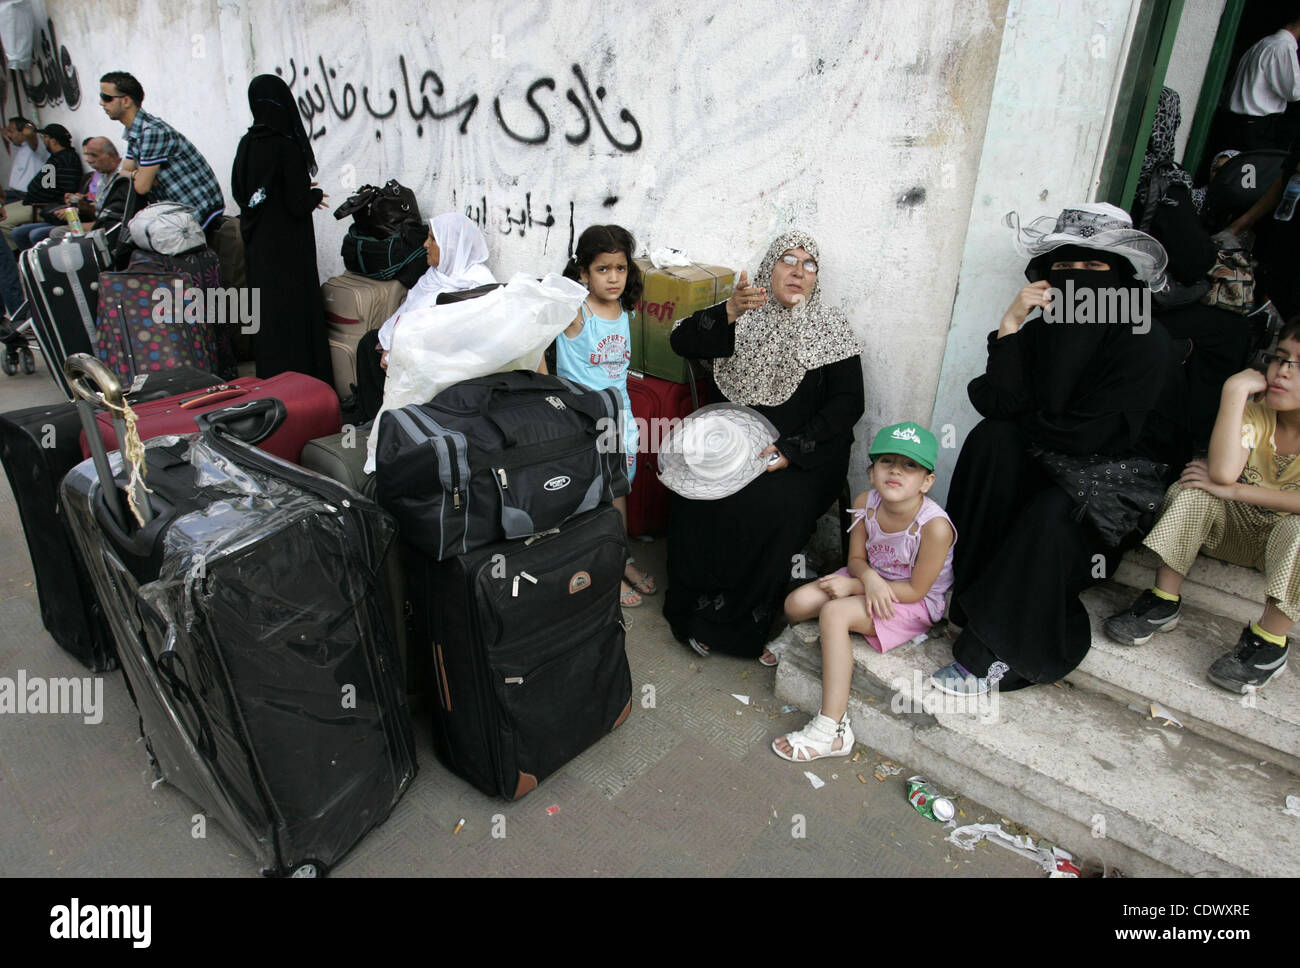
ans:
(26, 236)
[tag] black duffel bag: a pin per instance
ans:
(381, 212)
(499, 457)
(400, 256)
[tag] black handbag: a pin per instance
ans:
(400, 256)
(382, 212)
(1110, 493)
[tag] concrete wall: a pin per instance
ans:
(1191, 56)
(705, 127)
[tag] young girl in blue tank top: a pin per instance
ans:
(597, 346)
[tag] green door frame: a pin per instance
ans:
(1215, 75)
(1144, 75)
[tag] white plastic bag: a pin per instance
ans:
(168, 228)
(507, 329)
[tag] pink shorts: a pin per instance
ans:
(910, 620)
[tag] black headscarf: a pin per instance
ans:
(275, 114)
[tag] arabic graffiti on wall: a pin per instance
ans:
(317, 101)
(523, 220)
(57, 79)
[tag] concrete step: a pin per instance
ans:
(1214, 585)
(1170, 670)
(1103, 781)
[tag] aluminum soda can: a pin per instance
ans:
(928, 803)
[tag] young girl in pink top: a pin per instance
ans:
(900, 566)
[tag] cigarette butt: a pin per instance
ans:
(459, 826)
(861, 778)
(857, 756)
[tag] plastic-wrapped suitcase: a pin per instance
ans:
(653, 399)
(312, 404)
(39, 445)
(249, 616)
(60, 279)
(528, 650)
(342, 457)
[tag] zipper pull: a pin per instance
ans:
(514, 680)
(455, 497)
(501, 476)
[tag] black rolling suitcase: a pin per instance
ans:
(250, 622)
(38, 446)
(60, 279)
(527, 642)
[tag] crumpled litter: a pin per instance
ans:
(665, 257)
(739, 698)
(816, 781)
(1154, 710)
(1055, 862)
(1292, 808)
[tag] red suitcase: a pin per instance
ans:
(647, 505)
(312, 404)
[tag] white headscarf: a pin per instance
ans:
(775, 346)
(462, 252)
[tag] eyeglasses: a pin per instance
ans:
(106, 98)
(792, 260)
(1270, 360)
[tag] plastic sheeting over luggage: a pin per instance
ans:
(250, 618)
(506, 329)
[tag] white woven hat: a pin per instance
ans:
(715, 452)
(1097, 225)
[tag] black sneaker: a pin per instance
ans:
(1144, 618)
(1251, 664)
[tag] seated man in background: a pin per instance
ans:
(29, 154)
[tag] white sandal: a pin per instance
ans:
(816, 739)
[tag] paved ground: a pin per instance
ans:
(687, 786)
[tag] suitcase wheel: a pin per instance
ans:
(305, 870)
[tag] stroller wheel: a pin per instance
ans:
(10, 362)
(29, 361)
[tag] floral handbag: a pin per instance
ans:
(1232, 282)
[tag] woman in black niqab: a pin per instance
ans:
(271, 183)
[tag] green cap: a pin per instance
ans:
(909, 439)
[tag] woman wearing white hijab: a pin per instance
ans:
(456, 252)
(781, 352)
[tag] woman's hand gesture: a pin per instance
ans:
(744, 298)
(1036, 295)
(774, 465)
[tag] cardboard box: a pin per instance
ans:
(671, 294)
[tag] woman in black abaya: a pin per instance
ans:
(778, 350)
(1068, 390)
(271, 182)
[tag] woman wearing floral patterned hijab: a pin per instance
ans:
(779, 350)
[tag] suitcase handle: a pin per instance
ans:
(252, 421)
(95, 383)
(224, 391)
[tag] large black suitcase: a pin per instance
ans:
(250, 622)
(527, 642)
(38, 446)
(60, 279)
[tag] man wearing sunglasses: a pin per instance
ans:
(161, 161)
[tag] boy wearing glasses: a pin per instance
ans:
(1242, 505)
